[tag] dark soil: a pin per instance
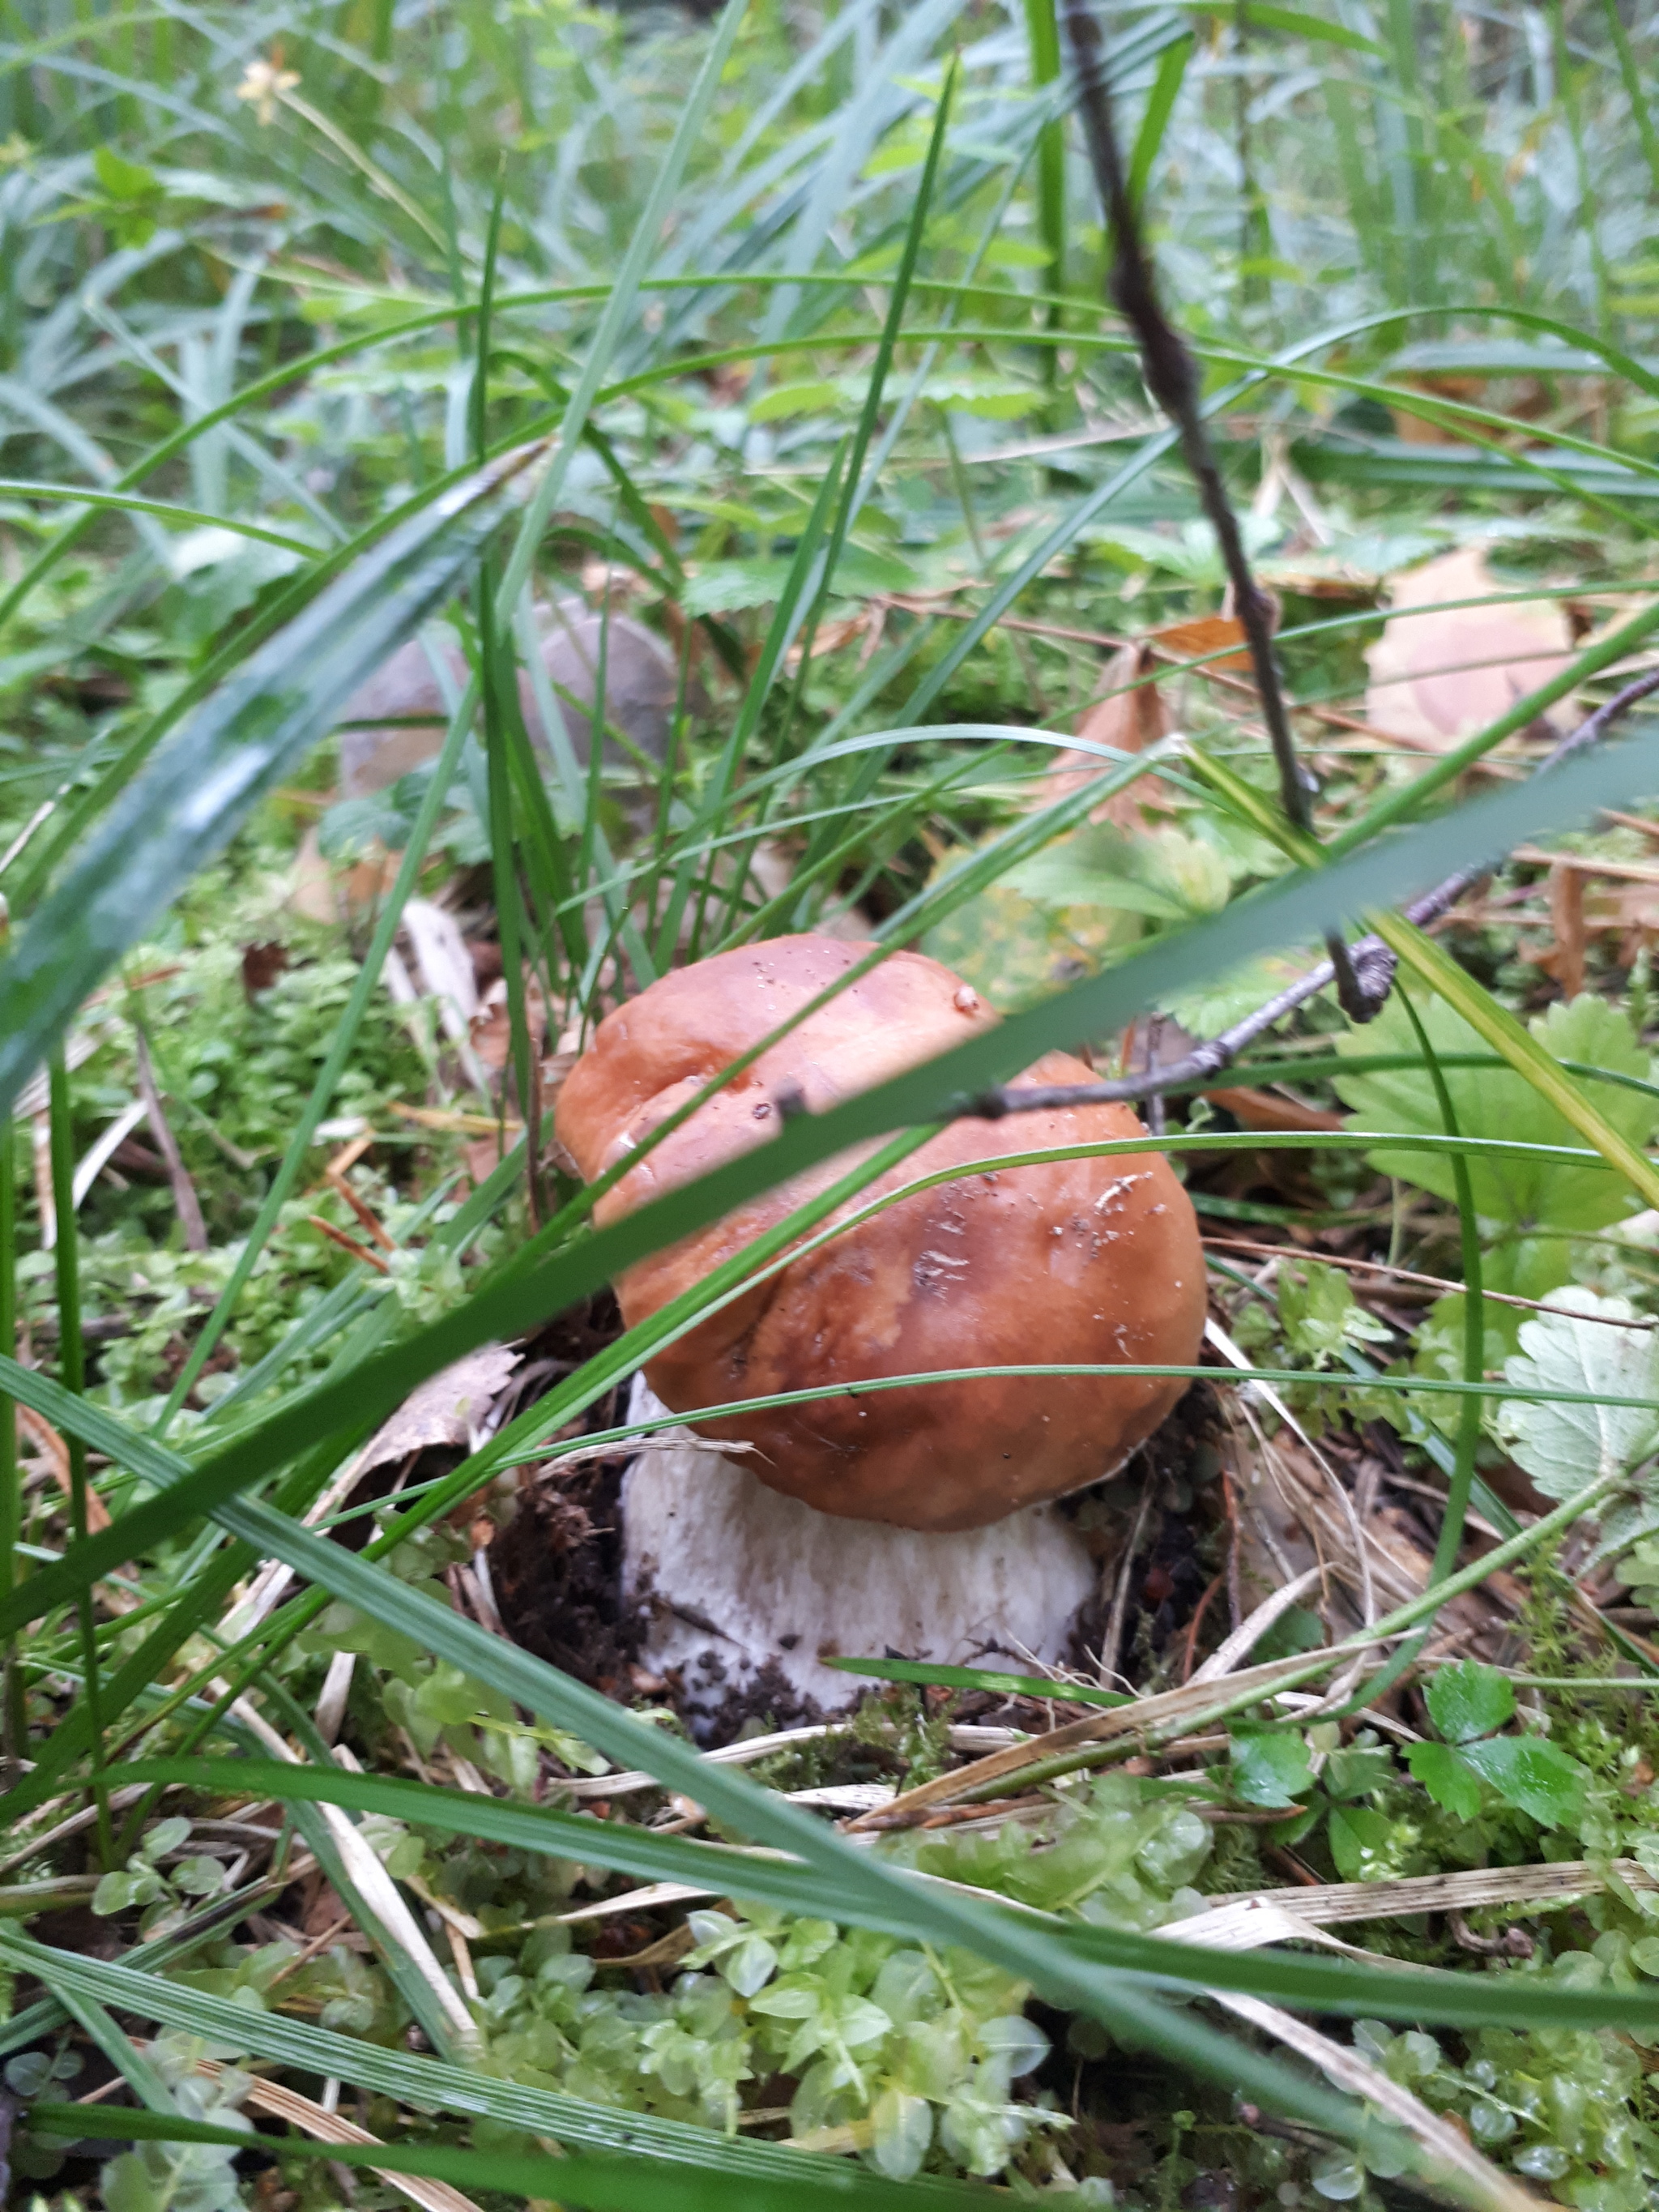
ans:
(555, 1568)
(556, 1572)
(1181, 1462)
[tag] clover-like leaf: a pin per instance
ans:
(1533, 1774)
(200, 1877)
(1468, 1700)
(166, 1836)
(1269, 1768)
(27, 2074)
(1447, 1777)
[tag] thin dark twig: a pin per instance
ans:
(186, 1202)
(1172, 380)
(1373, 961)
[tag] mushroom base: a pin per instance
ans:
(738, 1579)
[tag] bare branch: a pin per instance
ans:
(186, 1202)
(1373, 964)
(1173, 382)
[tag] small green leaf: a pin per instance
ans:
(166, 1836)
(27, 2074)
(1269, 1768)
(903, 2133)
(123, 179)
(749, 1965)
(1320, 1317)
(1338, 2177)
(114, 1892)
(1298, 1628)
(1529, 1772)
(349, 829)
(1447, 1777)
(785, 400)
(200, 1877)
(1468, 1700)
(1357, 1773)
(1360, 1841)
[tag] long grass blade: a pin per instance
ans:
(188, 802)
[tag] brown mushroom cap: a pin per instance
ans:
(1087, 1261)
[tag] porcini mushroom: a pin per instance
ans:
(1093, 1261)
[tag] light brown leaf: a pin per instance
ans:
(1130, 717)
(1441, 671)
(444, 1409)
(1204, 633)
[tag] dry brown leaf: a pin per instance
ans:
(1155, 1711)
(1130, 717)
(1203, 635)
(1422, 430)
(1273, 1109)
(53, 1448)
(1441, 671)
(491, 1024)
(1229, 1919)
(1566, 958)
(1134, 716)
(445, 1410)
(319, 891)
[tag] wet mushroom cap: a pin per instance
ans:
(1094, 1261)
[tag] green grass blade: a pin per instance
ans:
(1289, 912)
(1043, 36)
(191, 797)
(619, 307)
(1155, 117)
(606, 2184)
(858, 1882)
(336, 1061)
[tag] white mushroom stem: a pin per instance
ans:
(737, 1576)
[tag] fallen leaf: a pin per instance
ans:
(1130, 717)
(1425, 430)
(1271, 1110)
(51, 1448)
(324, 893)
(446, 1410)
(444, 965)
(262, 964)
(491, 1025)
(1203, 635)
(1442, 671)
(1566, 958)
